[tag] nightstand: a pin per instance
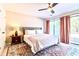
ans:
(16, 39)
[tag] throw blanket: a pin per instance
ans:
(38, 42)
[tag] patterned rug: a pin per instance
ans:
(54, 50)
(19, 50)
(25, 50)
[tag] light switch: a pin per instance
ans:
(3, 32)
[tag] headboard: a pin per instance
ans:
(34, 30)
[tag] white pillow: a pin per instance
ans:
(39, 31)
(31, 32)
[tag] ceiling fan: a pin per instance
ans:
(50, 6)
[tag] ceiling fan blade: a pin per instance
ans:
(42, 9)
(54, 4)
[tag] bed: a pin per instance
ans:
(37, 39)
(40, 41)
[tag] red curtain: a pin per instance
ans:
(67, 28)
(47, 26)
(64, 29)
(62, 34)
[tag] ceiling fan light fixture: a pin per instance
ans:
(52, 11)
(49, 8)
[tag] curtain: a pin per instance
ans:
(47, 26)
(62, 34)
(64, 29)
(67, 28)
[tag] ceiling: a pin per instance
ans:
(32, 8)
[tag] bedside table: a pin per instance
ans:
(16, 39)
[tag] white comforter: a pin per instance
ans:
(38, 42)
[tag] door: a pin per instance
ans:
(2, 31)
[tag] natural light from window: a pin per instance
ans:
(74, 29)
(55, 27)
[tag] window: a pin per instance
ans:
(74, 23)
(55, 27)
(74, 29)
(51, 27)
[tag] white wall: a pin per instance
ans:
(22, 20)
(2, 29)
(17, 19)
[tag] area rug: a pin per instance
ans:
(54, 50)
(19, 50)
